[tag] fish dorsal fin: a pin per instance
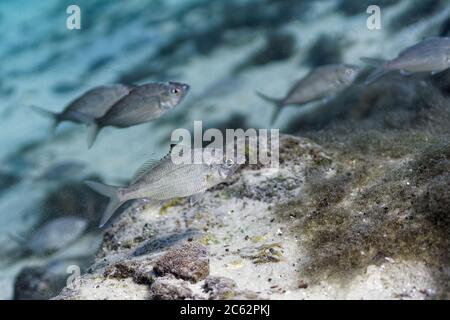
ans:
(148, 165)
(173, 145)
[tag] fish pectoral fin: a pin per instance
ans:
(405, 73)
(195, 198)
(327, 99)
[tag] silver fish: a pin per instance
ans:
(322, 82)
(169, 179)
(145, 103)
(92, 104)
(55, 235)
(430, 55)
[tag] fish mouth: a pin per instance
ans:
(184, 89)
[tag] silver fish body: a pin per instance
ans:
(323, 82)
(97, 101)
(168, 179)
(56, 234)
(143, 104)
(430, 55)
(92, 104)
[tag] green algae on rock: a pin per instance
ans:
(341, 222)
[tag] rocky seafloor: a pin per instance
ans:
(353, 212)
(359, 208)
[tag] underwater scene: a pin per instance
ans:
(337, 113)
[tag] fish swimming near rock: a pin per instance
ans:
(54, 235)
(169, 179)
(92, 104)
(145, 103)
(430, 55)
(322, 83)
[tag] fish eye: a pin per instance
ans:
(175, 91)
(229, 162)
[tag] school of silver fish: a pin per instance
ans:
(122, 106)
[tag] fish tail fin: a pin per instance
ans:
(114, 200)
(380, 71)
(94, 129)
(44, 112)
(55, 117)
(275, 115)
(278, 103)
(53, 128)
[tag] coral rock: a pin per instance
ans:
(189, 262)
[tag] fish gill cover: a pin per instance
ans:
(358, 207)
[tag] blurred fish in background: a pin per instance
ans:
(321, 83)
(90, 105)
